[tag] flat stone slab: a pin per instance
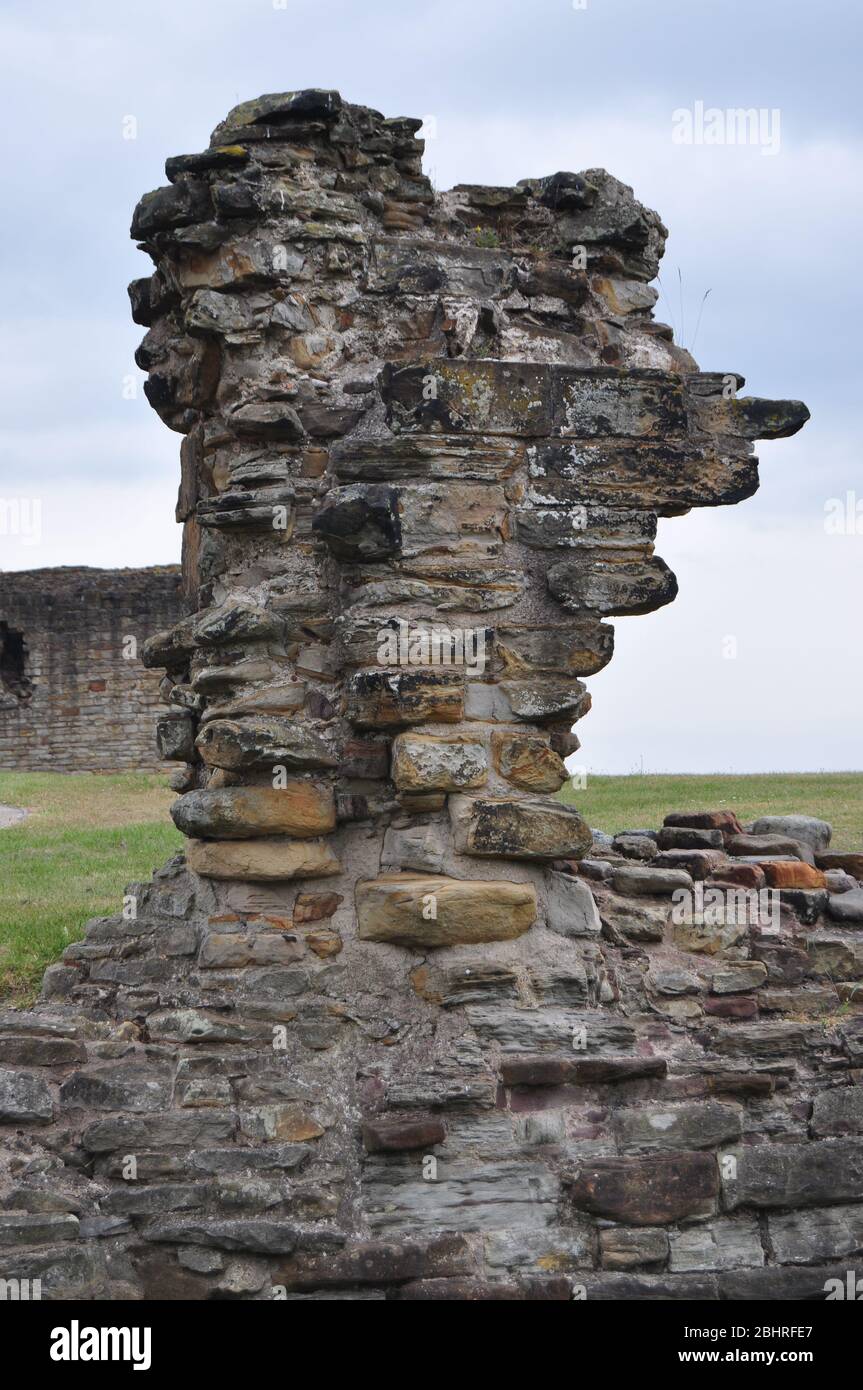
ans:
(11, 815)
(431, 910)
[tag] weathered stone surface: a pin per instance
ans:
(851, 863)
(528, 762)
(258, 742)
(543, 1070)
(835, 956)
(300, 809)
(411, 910)
(171, 1129)
(631, 1249)
(535, 1030)
(422, 762)
(731, 1244)
(512, 829)
(703, 1126)
(382, 699)
(262, 860)
(793, 875)
(812, 832)
(606, 585)
(572, 909)
(688, 837)
(705, 820)
(397, 1135)
(24, 1098)
(635, 846)
(723, 932)
(361, 523)
(379, 1262)
(732, 979)
(465, 1196)
(795, 1175)
(839, 1111)
(698, 863)
(823, 1233)
(647, 1191)
(847, 907)
(650, 882)
(42, 1229)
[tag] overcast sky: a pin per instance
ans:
(510, 90)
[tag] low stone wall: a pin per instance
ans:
(74, 696)
(655, 1096)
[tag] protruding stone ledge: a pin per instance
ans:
(262, 861)
(412, 910)
(524, 829)
(259, 742)
(301, 809)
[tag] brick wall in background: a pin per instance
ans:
(70, 701)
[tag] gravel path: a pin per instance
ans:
(11, 815)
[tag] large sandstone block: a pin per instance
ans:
(510, 829)
(260, 742)
(528, 761)
(382, 699)
(262, 861)
(422, 762)
(412, 910)
(300, 809)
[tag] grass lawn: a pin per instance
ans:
(86, 837)
(630, 803)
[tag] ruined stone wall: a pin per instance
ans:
(70, 701)
(398, 1024)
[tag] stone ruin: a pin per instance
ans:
(398, 1025)
(74, 696)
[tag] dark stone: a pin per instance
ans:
(362, 524)
(688, 837)
(705, 820)
(788, 1285)
(226, 157)
(733, 1006)
(613, 1288)
(395, 1135)
(549, 1290)
(175, 205)
(543, 1070)
(796, 1175)
(647, 1191)
(40, 1052)
(379, 1262)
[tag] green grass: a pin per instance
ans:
(628, 803)
(85, 839)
